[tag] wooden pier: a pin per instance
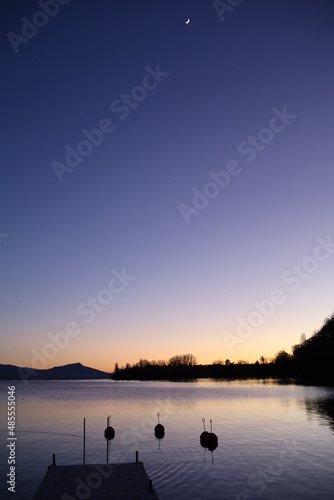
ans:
(127, 481)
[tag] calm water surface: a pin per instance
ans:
(275, 441)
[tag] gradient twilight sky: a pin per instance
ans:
(120, 208)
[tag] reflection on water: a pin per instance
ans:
(270, 444)
(323, 408)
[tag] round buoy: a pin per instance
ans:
(159, 430)
(211, 442)
(109, 433)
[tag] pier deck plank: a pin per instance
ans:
(97, 481)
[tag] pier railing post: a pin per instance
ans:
(84, 441)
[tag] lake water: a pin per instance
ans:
(274, 440)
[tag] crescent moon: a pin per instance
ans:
(187, 22)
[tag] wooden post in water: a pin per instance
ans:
(84, 441)
(53, 459)
(108, 423)
(150, 484)
(136, 457)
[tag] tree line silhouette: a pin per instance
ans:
(312, 360)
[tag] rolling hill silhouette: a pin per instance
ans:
(74, 371)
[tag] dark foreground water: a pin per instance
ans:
(275, 441)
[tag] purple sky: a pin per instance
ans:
(166, 188)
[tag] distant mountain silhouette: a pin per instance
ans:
(74, 371)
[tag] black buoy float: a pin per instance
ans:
(159, 430)
(204, 436)
(109, 432)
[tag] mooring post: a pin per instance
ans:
(136, 457)
(150, 484)
(84, 441)
(53, 459)
(108, 423)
